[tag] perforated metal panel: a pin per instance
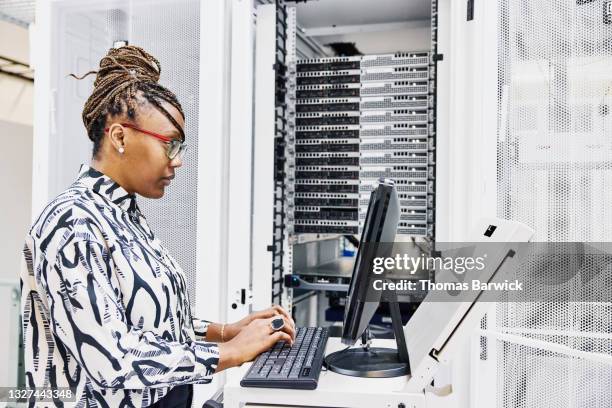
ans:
(555, 175)
(555, 156)
(540, 378)
(169, 30)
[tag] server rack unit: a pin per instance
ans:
(358, 119)
(396, 113)
(326, 184)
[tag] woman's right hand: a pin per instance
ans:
(257, 337)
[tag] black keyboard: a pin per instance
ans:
(296, 367)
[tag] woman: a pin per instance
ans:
(105, 306)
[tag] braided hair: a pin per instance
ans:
(124, 73)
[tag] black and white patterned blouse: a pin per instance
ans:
(105, 306)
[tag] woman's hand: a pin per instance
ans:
(231, 330)
(252, 340)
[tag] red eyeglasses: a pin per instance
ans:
(175, 147)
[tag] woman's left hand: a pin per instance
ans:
(232, 329)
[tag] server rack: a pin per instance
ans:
(359, 119)
(351, 121)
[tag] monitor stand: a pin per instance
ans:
(374, 362)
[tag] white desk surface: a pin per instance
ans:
(334, 390)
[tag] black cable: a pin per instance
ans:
(353, 240)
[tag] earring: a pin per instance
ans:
(121, 150)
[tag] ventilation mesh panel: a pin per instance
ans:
(538, 378)
(170, 30)
(555, 175)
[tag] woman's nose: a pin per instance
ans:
(177, 161)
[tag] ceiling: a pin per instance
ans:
(17, 11)
(373, 26)
(327, 13)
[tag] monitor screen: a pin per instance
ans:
(380, 226)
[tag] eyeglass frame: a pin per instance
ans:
(165, 139)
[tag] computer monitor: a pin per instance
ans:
(379, 228)
(380, 225)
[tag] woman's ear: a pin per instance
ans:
(116, 135)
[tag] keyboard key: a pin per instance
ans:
(277, 375)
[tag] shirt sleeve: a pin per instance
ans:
(200, 327)
(87, 316)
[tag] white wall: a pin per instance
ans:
(16, 103)
(15, 43)
(16, 117)
(16, 171)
